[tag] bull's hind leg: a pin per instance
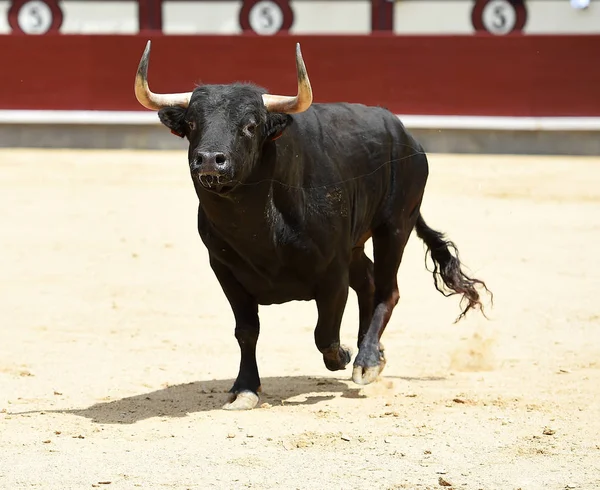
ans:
(244, 392)
(363, 282)
(389, 241)
(331, 298)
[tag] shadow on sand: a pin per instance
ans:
(203, 396)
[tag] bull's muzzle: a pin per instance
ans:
(212, 170)
(212, 181)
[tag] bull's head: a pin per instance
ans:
(226, 125)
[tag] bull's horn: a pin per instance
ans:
(149, 99)
(299, 103)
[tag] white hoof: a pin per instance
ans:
(365, 376)
(245, 400)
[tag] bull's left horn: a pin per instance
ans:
(299, 103)
(149, 99)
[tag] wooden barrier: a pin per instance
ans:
(511, 75)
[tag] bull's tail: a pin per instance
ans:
(448, 276)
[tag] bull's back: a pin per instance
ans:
(352, 139)
(364, 151)
(347, 130)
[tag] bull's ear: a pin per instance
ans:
(174, 119)
(276, 124)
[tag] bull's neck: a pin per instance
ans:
(254, 211)
(244, 203)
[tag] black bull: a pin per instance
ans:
(287, 202)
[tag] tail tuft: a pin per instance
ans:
(448, 276)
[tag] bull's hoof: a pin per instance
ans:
(244, 400)
(365, 376)
(368, 368)
(337, 358)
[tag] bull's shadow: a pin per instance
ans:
(202, 396)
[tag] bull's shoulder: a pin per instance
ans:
(348, 109)
(346, 116)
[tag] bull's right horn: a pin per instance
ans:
(149, 99)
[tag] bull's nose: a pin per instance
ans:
(211, 169)
(212, 159)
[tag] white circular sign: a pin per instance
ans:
(499, 17)
(266, 17)
(35, 17)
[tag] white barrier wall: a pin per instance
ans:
(4, 25)
(100, 17)
(558, 17)
(428, 17)
(433, 17)
(211, 17)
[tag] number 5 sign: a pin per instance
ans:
(266, 17)
(499, 17)
(35, 16)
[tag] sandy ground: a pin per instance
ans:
(117, 346)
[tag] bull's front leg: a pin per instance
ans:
(331, 298)
(244, 392)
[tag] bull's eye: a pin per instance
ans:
(192, 125)
(250, 129)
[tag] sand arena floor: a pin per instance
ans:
(117, 346)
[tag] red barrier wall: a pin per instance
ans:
(463, 75)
